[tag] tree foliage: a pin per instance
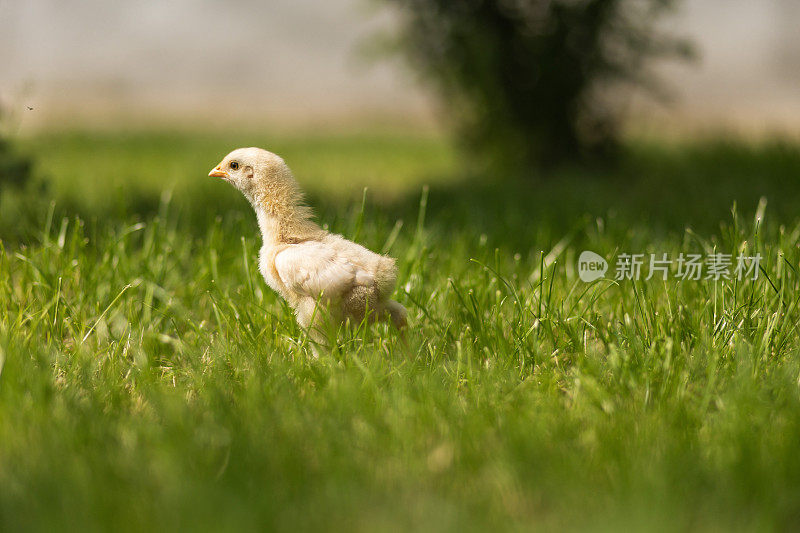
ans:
(15, 168)
(527, 80)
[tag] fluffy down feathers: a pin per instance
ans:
(333, 265)
(349, 278)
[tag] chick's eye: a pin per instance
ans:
(234, 165)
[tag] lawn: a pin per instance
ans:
(151, 380)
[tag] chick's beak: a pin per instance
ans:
(218, 173)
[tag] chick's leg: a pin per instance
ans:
(311, 318)
(397, 312)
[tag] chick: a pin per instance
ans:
(302, 262)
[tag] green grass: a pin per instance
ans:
(150, 379)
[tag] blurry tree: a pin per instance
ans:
(15, 169)
(527, 80)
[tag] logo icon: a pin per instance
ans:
(591, 266)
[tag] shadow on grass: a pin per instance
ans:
(664, 188)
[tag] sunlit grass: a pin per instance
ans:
(151, 379)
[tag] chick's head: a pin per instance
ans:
(257, 173)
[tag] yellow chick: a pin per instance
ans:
(302, 262)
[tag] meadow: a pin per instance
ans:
(150, 380)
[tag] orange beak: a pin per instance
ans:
(218, 173)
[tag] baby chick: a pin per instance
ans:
(302, 262)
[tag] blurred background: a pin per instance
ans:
(626, 107)
(312, 62)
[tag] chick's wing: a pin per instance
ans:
(312, 268)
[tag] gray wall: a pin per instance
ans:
(298, 60)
